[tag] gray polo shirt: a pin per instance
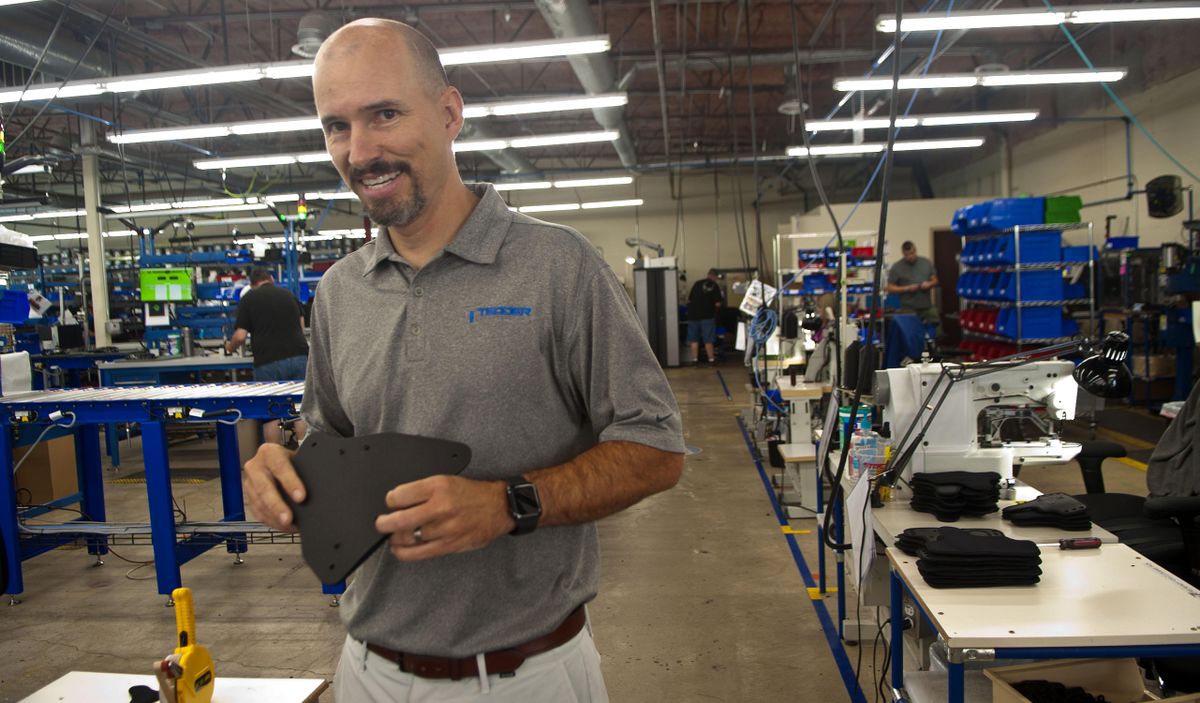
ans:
(519, 341)
(906, 274)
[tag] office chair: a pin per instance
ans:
(1165, 529)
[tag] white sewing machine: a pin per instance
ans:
(965, 434)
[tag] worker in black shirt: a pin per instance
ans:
(704, 301)
(275, 319)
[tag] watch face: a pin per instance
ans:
(525, 502)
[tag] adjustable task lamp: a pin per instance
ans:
(1103, 374)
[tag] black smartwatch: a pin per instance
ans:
(524, 505)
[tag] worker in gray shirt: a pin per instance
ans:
(912, 277)
(468, 322)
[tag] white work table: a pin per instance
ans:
(800, 390)
(184, 361)
(93, 687)
(1106, 602)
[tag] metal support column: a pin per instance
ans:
(232, 502)
(91, 203)
(162, 515)
(91, 482)
(8, 516)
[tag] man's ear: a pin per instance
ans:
(451, 105)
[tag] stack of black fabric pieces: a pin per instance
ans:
(949, 495)
(1050, 510)
(948, 557)
(1054, 692)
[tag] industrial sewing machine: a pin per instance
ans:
(963, 420)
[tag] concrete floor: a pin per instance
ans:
(700, 601)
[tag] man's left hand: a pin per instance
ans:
(450, 513)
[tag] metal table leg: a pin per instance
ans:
(8, 516)
(162, 511)
(90, 474)
(957, 685)
(232, 501)
(897, 616)
(112, 442)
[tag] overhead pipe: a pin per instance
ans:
(573, 18)
(818, 56)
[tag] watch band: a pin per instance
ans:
(524, 504)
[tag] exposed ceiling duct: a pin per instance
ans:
(573, 18)
(509, 160)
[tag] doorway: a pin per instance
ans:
(946, 247)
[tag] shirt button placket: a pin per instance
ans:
(417, 330)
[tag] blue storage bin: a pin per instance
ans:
(964, 285)
(14, 306)
(1121, 243)
(1072, 254)
(1035, 323)
(1004, 213)
(1036, 248)
(1035, 285)
(991, 288)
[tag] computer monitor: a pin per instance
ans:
(166, 285)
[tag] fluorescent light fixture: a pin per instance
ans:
(540, 105)
(52, 215)
(560, 139)
(597, 205)
(557, 207)
(65, 236)
(968, 118)
(878, 147)
(968, 80)
(202, 210)
(591, 182)
(14, 2)
(30, 170)
(339, 195)
(140, 208)
(457, 56)
(301, 124)
(943, 120)
(462, 146)
(1024, 17)
(262, 160)
(235, 221)
(524, 51)
(527, 185)
(479, 145)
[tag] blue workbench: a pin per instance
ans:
(84, 410)
(74, 363)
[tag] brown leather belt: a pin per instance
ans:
(501, 661)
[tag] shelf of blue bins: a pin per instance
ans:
(1013, 260)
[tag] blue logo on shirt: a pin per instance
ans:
(498, 311)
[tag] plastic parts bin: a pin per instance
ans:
(1035, 286)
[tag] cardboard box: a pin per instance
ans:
(1159, 365)
(1118, 680)
(49, 472)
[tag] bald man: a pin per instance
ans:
(468, 322)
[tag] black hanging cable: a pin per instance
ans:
(865, 369)
(38, 64)
(70, 74)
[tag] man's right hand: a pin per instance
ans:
(269, 471)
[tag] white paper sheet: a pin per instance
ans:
(16, 375)
(862, 532)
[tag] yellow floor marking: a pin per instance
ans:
(789, 530)
(815, 593)
(1132, 462)
(1124, 438)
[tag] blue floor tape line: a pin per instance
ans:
(827, 626)
(722, 379)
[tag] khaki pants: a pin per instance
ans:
(566, 674)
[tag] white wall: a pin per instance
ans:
(1075, 154)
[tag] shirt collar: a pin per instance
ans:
(478, 240)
